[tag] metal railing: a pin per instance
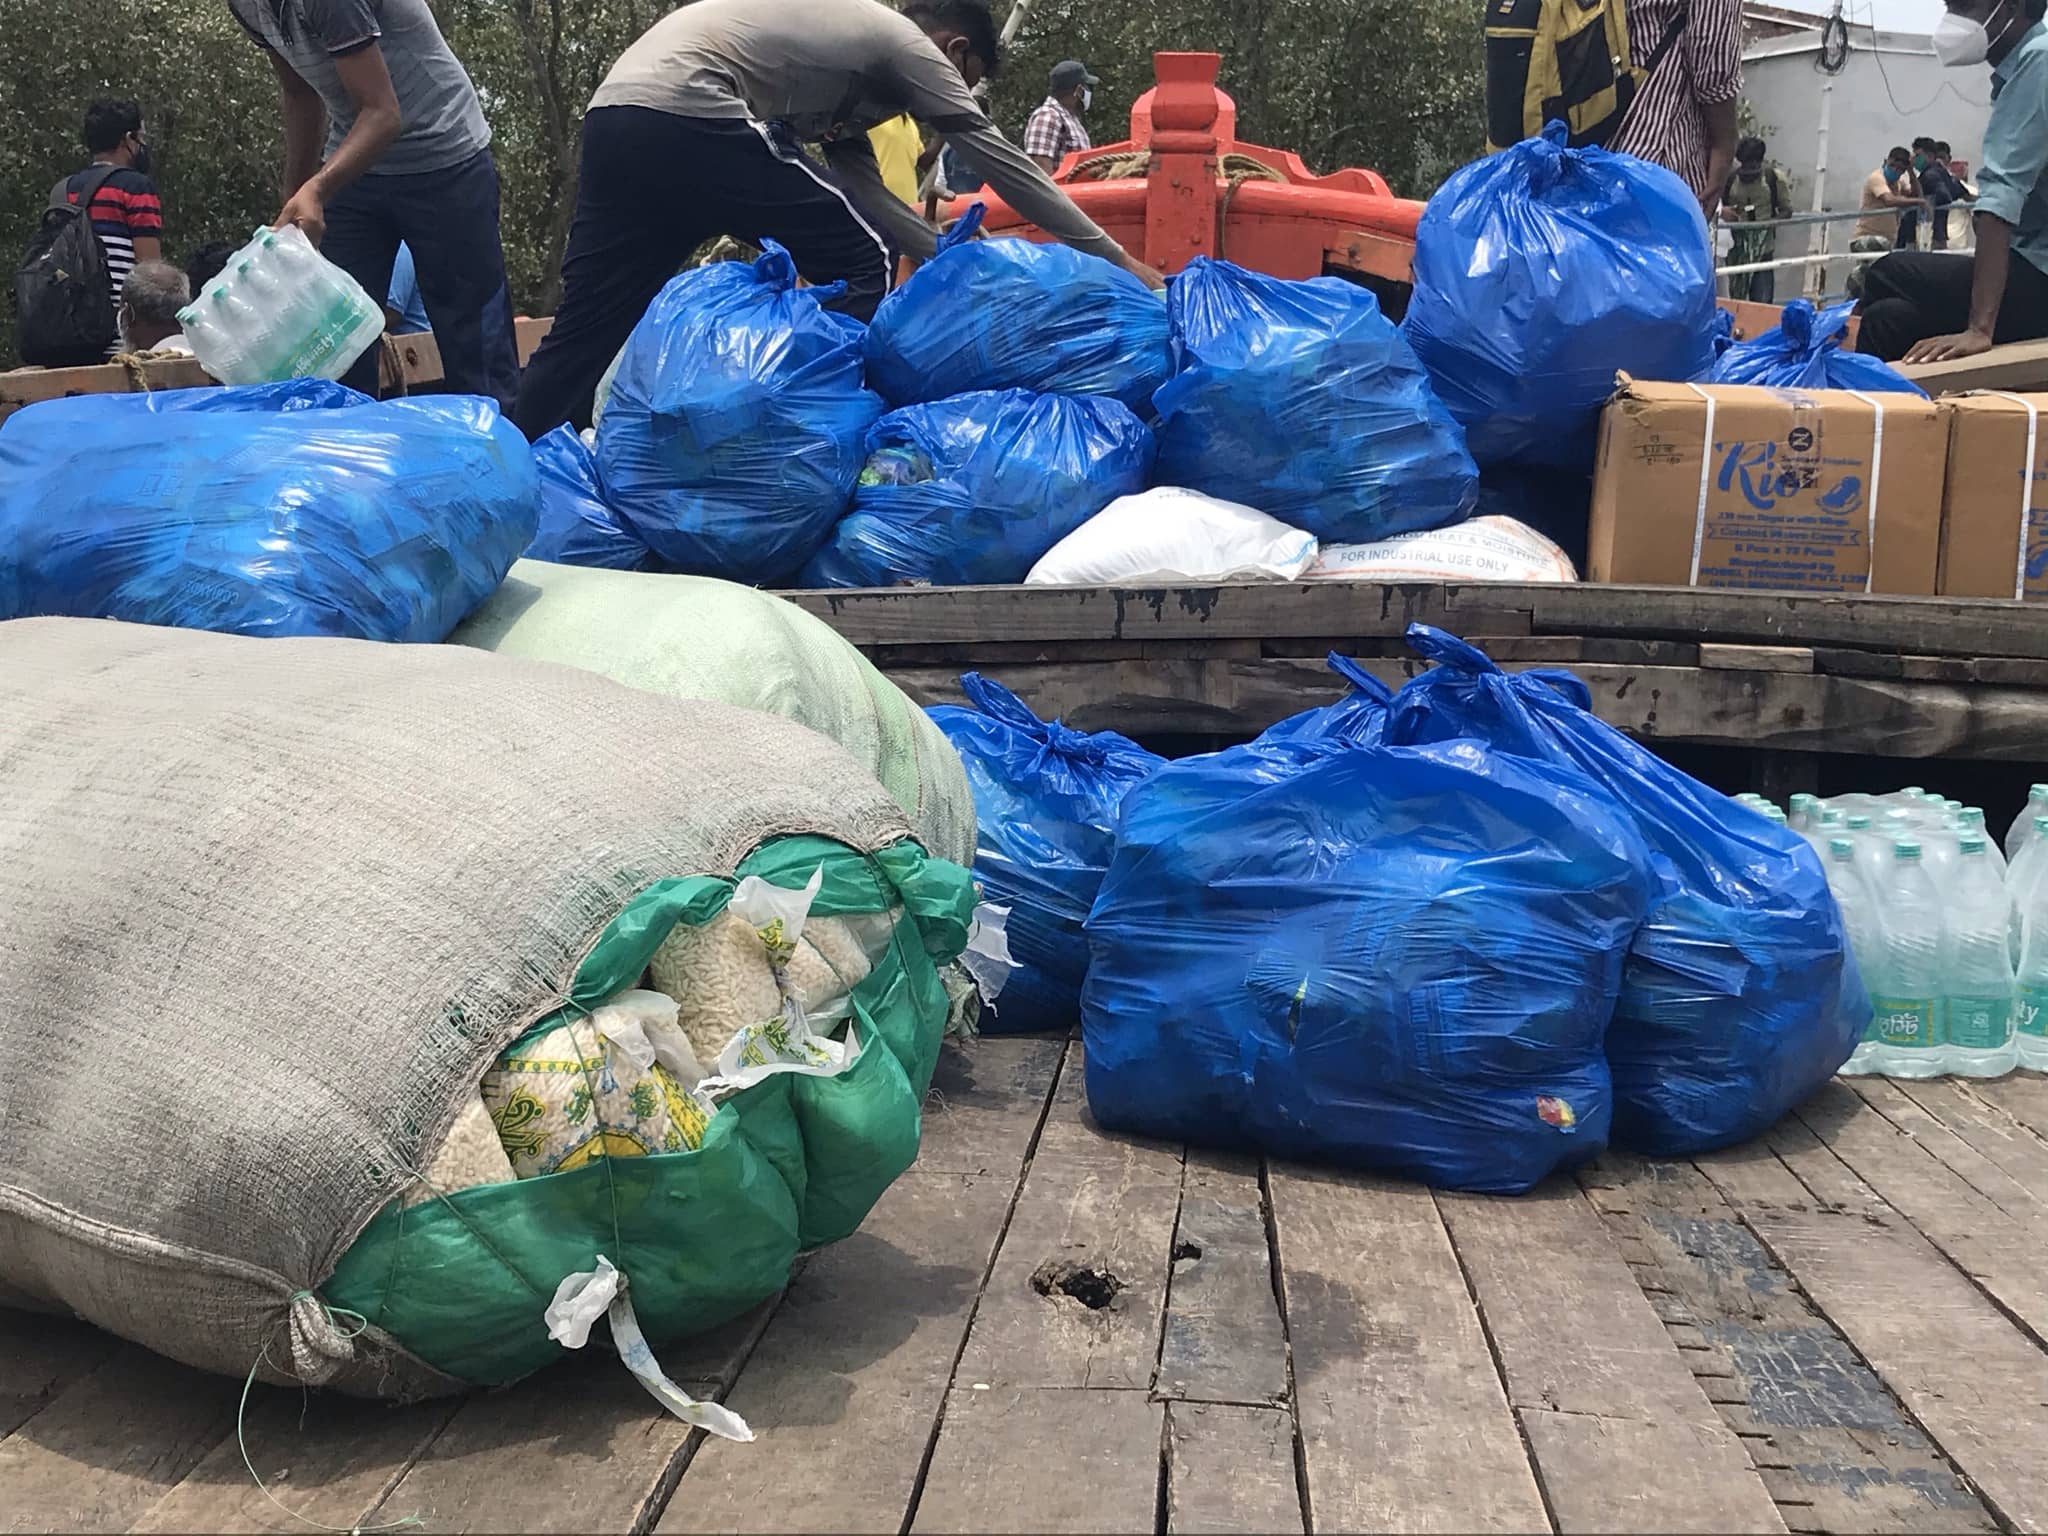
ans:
(1822, 256)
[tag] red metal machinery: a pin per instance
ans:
(1183, 186)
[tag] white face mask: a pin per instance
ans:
(1960, 42)
(1087, 98)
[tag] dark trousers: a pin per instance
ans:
(654, 187)
(1911, 295)
(450, 220)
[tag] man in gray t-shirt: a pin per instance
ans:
(699, 130)
(385, 142)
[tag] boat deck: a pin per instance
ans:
(1044, 1328)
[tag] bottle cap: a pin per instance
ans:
(1841, 848)
(2041, 825)
(2038, 792)
(1971, 815)
(1775, 816)
(1914, 790)
(1831, 817)
(1858, 823)
(1971, 843)
(1906, 850)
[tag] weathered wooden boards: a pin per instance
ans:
(1902, 677)
(1835, 1329)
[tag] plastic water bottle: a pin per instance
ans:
(1857, 902)
(1905, 993)
(2030, 999)
(1970, 823)
(1977, 985)
(1802, 811)
(2021, 876)
(2023, 824)
(279, 310)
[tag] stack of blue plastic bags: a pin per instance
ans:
(1467, 933)
(300, 508)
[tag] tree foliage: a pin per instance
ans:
(1392, 84)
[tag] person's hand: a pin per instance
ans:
(1711, 207)
(306, 210)
(1149, 276)
(1942, 349)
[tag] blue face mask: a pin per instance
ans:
(1891, 175)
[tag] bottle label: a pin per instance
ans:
(1979, 1023)
(1905, 1022)
(2030, 1011)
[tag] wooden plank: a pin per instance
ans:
(1224, 1341)
(112, 1445)
(1404, 1424)
(2018, 366)
(986, 1101)
(1756, 658)
(1834, 1448)
(1579, 1344)
(1077, 1294)
(1931, 626)
(1031, 1459)
(1995, 1156)
(2002, 1254)
(1975, 1383)
(326, 1458)
(2023, 1096)
(1812, 712)
(849, 1379)
(1230, 1471)
(39, 1357)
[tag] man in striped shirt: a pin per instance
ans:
(126, 215)
(1684, 116)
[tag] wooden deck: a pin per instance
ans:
(1839, 1328)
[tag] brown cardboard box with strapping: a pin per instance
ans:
(1994, 539)
(1722, 485)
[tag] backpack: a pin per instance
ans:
(1563, 61)
(61, 295)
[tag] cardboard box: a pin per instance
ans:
(1720, 485)
(1994, 540)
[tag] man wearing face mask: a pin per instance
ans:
(127, 217)
(1055, 129)
(700, 130)
(1927, 307)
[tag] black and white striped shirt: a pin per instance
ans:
(1665, 123)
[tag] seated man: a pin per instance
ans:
(1927, 306)
(151, 295)
(724, 96)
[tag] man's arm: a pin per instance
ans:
(1042, 140)
(933, 92)
(305, 124)
(145, 215)
(368, 83)
(1713, 49)
(852, 158)
(1987, 292)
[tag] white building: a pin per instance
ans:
(1888, 89)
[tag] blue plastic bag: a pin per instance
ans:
(1395, 958)
(1539, 273)
(577, 527)
(1805, 351)
(280, 509)
(1359, 718)
(1301, 399)
(733, 434)
(973, 490)
(1741, 996)
(1017, 314)
(1045, 800)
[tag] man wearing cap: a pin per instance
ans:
(1055, 130)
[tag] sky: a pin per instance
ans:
(1910, 16)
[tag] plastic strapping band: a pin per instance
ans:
(2019, 570)
(1876, 477)
(1699, 520)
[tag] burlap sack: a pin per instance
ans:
(268, 909)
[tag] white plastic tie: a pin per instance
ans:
(1876, 405)
(2019, 570)
(1699, 518)
(583, 1297)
